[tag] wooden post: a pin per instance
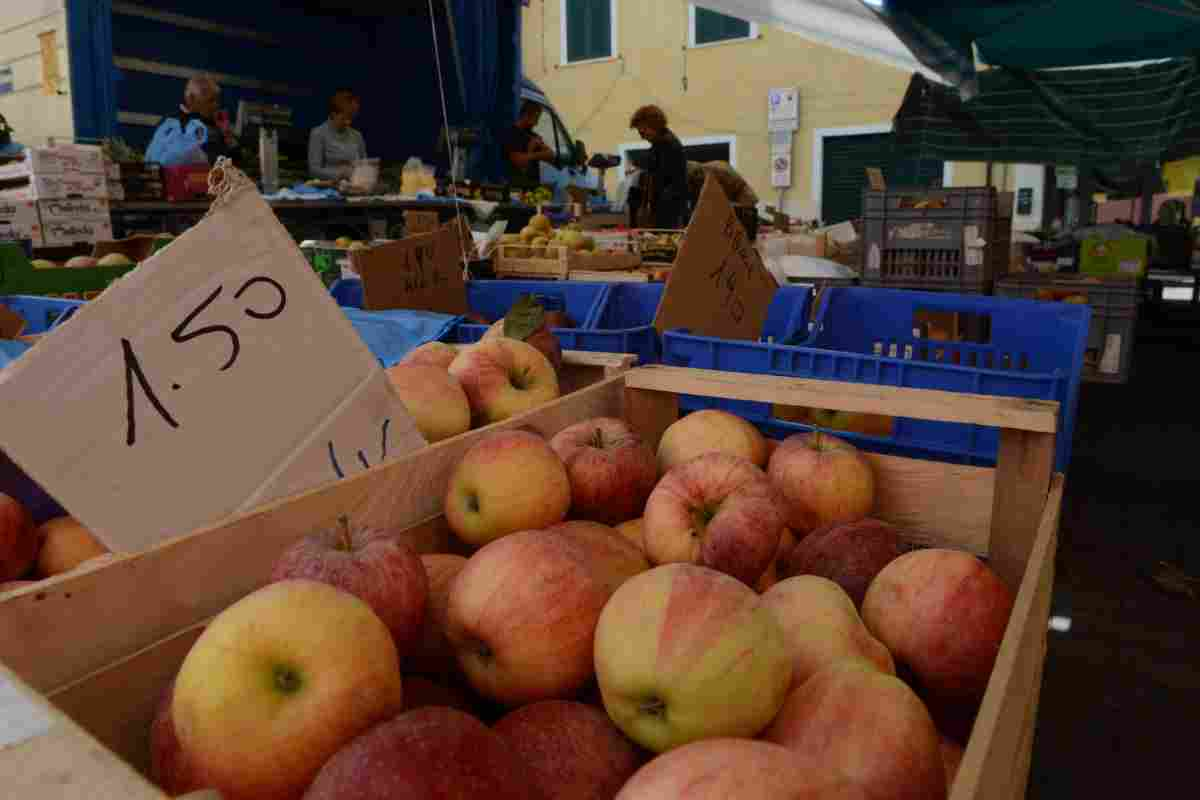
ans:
(1024, 465)
(651, 412)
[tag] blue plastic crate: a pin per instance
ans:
(1034, 350)
(42, 313)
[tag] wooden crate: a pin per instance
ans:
(511, 261)
(145, 611)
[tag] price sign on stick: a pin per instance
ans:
(216, 376)
(419, 272)
(719, 285)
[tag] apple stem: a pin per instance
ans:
(345, 537)
(597, 439)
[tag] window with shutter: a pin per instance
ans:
(710, 27)
(589, 29)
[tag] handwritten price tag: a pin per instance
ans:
(216, 376)
(422, 272)
(719, 286)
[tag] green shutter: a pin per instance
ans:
(589, 29)
(844, 172)
(712, 26)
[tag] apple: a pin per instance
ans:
(943, 613)
(433, 398)
(710, 431)
(685, 653)
(825, 480)
(952, 756)
(432, 354)
(13, 586)
(504, 377)
(523, 614)
(374, 564)
(65, 544)
(559, 319)
(821, 627)
(169, 767)
(772, 576)
(850, 554)
(433, 654)
(508, 481)
(18, 539)
(574, 750)
(634, 532)
(542, 338)
(278, 682)
(421, 692)
(735, 769)
(427, 753)
(612, 470)
(613, 558)
(719, 511)
(867, 728)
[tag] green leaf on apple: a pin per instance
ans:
(525, 318)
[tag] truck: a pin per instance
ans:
(89, 70)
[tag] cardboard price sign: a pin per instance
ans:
(217, 376)
(422, 273)
(416, 222)
(719, 286)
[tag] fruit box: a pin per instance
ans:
(557, 262)
(86, 658)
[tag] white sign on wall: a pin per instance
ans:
(783, 109)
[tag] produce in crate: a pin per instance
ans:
(612, 470)
(719, 511)
(825, 480)
(422, 692)
(685, 653)
(613, 558)
(822, 627)
(735, 769)
(81, 262)
(432, 354)
(169, 768)
(427, 753)
(952, 756)
(375, 565)
(943, 613)
(433, 398)
(634, 532)
(771, 577)
(18, 539)
(41, 263)
(574, 749)
(526, 322)
(850, 554)
(115, 260)
(522, 616)
(280, 681)
(433, 654)
(65, 544)
(503, 377)
(507, 482)
(710, 431)
(867, 728)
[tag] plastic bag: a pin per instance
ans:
(176, 146)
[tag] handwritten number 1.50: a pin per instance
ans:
(181, 334)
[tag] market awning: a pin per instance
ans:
(946, 35)
(1103, 118)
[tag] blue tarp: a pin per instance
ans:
(10, 351)
(392, 335)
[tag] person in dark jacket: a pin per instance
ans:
(202, 101)
(524, 149)
(665, 186)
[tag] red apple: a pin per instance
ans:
(612, 470)
(710, 431)
(772, 576)
(504, 377)
(718, 511)
(373, 564)
(18, 539)
(635, 532)
(613, 558)
(825, 480)
(952, 756)
(867, 728)
(428, 753)
(433, 654)
(169, 767)
(943, 613)
(575, 751)
(65, 544)
(523, 615)
(850, 554)
(543, 339)
(432, 354)
(736, 769)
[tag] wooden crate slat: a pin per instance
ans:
(1024, 465)
(1005, 412)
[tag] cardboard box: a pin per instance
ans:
(57, 188)
(65, 234)
(19, 220)
(74, 210)
(60, 160)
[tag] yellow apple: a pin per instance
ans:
(279, 682)
(434, 399)
(710, 431)
(504, 377)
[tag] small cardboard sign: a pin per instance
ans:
(719, 286)
(422, 273)
(216, 376)
(417, 222)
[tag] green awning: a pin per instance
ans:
(1107, 118)
(1040, 34)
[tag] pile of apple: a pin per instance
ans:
(85, 262)
(449, 390)
(544, 241)
(720, 619)
(30, 553)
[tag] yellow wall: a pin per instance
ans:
(34, 116)
(727, 87)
